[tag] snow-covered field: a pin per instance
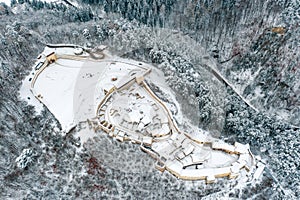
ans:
(7, 2)
(72, 89)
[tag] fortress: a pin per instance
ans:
(113, 95)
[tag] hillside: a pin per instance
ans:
(253, 44)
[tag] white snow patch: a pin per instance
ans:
(157, 76)
(58, 81)
(7, 2)
(84, 134)
(72, 88)
(26, 94)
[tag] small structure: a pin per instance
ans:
(139, 79)
(278, 30)
(114, 78)
(78, 51)
(51, 58)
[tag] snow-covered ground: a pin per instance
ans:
(72, 89)
(160, 81)
(7, 2)
(26, 94)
